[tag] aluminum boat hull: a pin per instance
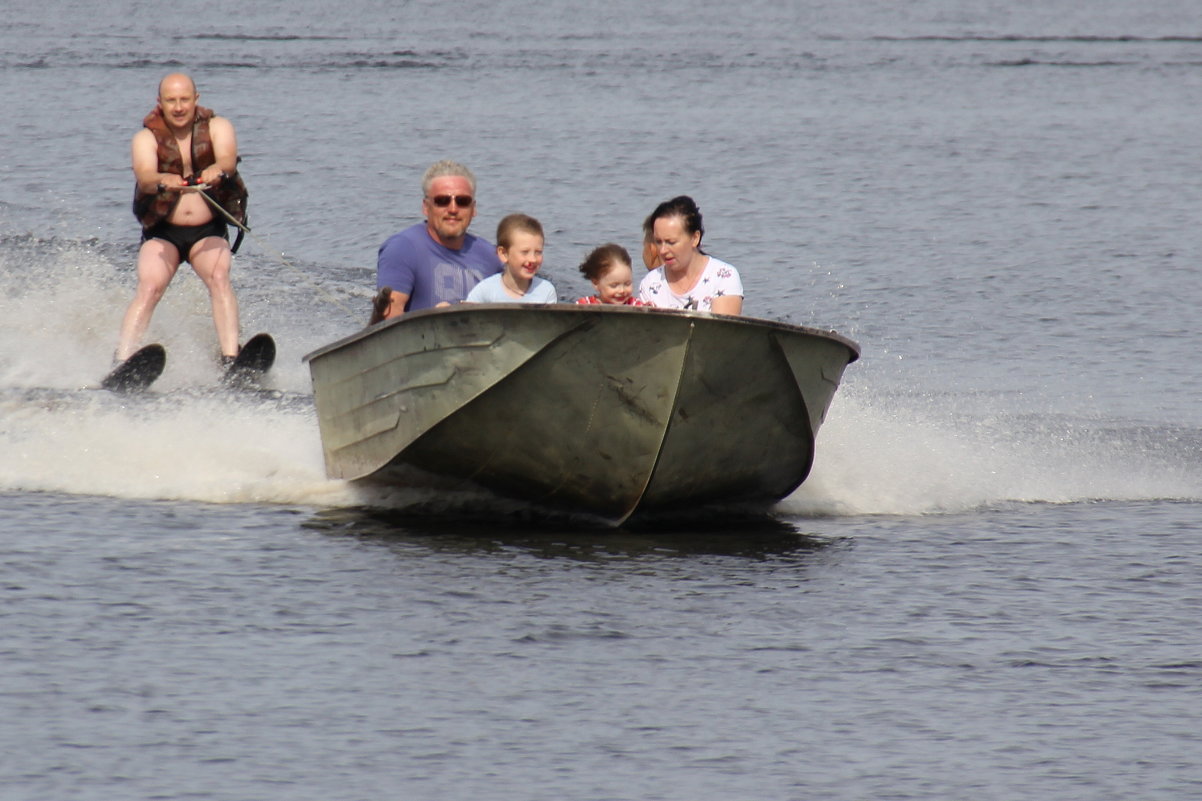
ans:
(606, 411)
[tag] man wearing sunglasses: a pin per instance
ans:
(436, 262)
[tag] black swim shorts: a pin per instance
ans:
(185, 236)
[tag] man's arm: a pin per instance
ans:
(145, 157)
(393, 270)
(225, 150)
(396, 305)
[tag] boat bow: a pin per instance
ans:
(604, 410)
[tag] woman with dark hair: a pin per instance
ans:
(688, 278)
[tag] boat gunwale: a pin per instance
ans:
(573, 308)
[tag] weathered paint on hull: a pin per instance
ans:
(607, 411)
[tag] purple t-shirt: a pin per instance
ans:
(413, 263)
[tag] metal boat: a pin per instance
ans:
(607, 411)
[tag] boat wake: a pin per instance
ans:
(874, 457)
(877, 454)
(903, 456)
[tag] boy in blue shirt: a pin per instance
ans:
(520, 248)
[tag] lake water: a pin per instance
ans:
(987, 589)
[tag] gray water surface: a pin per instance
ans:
(987, 589)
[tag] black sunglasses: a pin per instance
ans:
(462, 201)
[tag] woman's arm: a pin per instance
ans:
(727, 304)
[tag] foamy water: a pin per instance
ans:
(882, 455)
(877, 453)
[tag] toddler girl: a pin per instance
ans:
(608, 267)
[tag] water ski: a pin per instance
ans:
(254, 359)
(138, 371)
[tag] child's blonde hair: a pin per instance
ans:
(512, 223)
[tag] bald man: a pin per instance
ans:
(180, 146)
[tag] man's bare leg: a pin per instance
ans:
(158, 262)
(211, 259)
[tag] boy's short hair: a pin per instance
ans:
(512, 223)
